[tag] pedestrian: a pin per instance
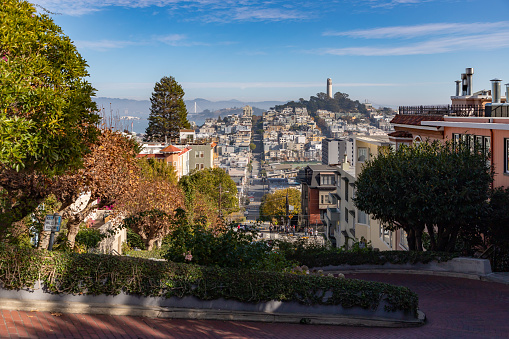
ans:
(270, 228)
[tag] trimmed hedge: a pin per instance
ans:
(95, 274)
(336, 257)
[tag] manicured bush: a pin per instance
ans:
(313, 255)
(73, 273)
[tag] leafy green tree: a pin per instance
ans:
(47, 116)
(157, 170)
(252, 146)
(440, 187)
(274, 204)
(168, 113)
(215, 185)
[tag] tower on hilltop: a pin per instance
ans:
(329, 88)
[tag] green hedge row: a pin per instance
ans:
(336, 257)
(103, 274)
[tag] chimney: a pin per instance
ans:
(464, 84)
(458, 87)
(507, 93)
(469, 72)
(495, 91)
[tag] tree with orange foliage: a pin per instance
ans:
(150, 207)
(109, 172)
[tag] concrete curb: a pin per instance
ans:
(205, 314)
(416, 272)
(466, 268)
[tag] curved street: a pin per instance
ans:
(454, 307)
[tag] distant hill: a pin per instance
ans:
(339, 103)
(204, 109)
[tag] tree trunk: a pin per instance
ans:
(452, 240)
(72, 231)
(432, 240)
(410, 237)
(149, 243)
(418, 239)
(43, 240)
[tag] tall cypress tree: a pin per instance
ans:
(168, 113)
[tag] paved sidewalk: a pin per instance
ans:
(455, 308)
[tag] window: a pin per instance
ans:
(506, 156)
(197, 154)
(197, 166)
(327, 180)
(386, 236)
(403, 241)
(456, 139)
(201, 166)
(346, 215)
(202, 154)
(321, 199)
(361, 217)
(362, 154)
(346, 189)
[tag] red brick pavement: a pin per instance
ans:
(455, 308)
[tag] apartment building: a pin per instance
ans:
(317, 182)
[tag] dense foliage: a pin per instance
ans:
(339, 103)
(47, 116)
(103, 274)
(440, 187)
(208, 193)
(234, 248)
(168, 113)
(274, 205)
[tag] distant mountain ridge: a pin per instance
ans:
(141, 108)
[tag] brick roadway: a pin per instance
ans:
(455, 308)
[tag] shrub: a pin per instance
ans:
(313, 255)
(231, 248)
(89, 237)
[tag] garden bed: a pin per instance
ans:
(120, 281)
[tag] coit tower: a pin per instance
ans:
(329, 88)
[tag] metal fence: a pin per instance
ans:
(451, 110)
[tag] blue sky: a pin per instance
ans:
(390, 52)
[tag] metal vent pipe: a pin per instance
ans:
(458, 87)
(495, 91)
(464, 84)
(507, 93)
(470, 84)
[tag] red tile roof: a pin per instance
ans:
(408, 119)
(184, 151)
(170, 149)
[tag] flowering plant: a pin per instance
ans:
(188, 256)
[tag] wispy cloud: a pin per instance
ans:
(249, 13)
(104, 45)
(203, 10)
(393, 3)
(442, 45)
(174, 40)
(407, 32)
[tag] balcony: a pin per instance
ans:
(333, 214)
